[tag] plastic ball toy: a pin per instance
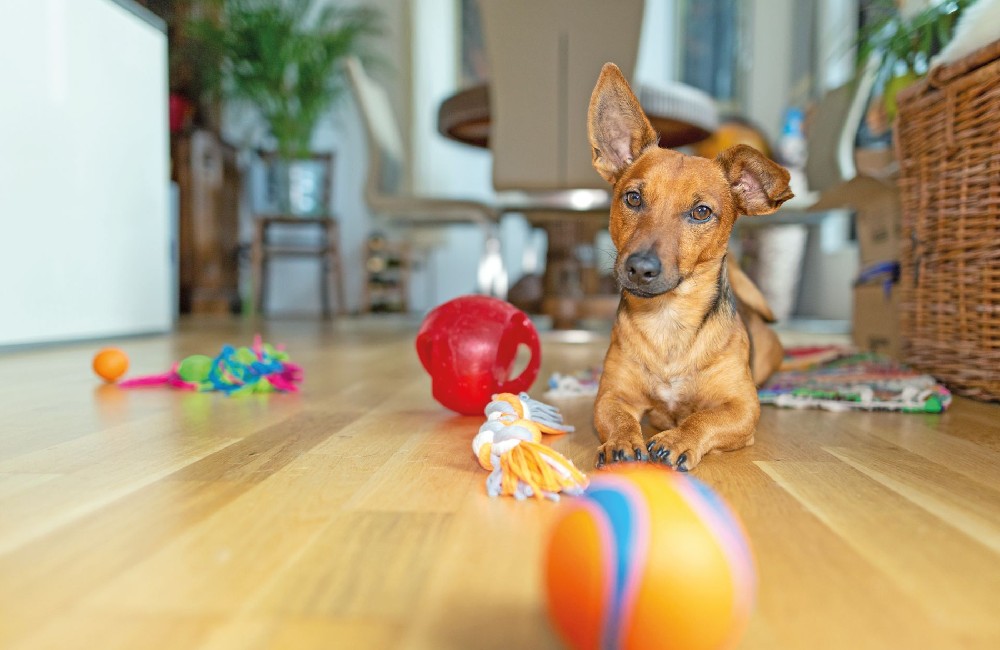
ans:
(110, 364)
(646, 559)
(468, 346)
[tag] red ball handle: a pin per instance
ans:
(520, 331)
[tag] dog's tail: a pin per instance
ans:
(747, 292)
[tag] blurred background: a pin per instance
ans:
(335, 158)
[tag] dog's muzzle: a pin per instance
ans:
(642, 275)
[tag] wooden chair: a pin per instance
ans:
(395, 208)
(326, 250)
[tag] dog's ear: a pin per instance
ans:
(759, 184)
(619, 131)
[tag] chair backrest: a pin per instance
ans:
(833, 128)
(385, 142)
(545, 57)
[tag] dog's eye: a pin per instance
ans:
(633, 199)
(701, 213)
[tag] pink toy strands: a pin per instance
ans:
(260, 368)
(468, 346)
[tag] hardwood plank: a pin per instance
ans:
(241, 632)
(324, 634)
(228, 559)
(87, 631)
(254, 633)
(947, 578)
(47, 506)
(12, 484)
(958, 454)
(353, 514)
(487, 591)
(973, 421)
(435, 463)
(49, 577)
(959, 502)
(336, 577)
(814, 589)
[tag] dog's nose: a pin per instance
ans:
(643, 268)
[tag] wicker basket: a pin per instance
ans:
(948, 145)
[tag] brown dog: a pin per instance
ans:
(680, 353)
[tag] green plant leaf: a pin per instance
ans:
(284, 57)
(907, 44)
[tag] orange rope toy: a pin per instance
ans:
(509, 446)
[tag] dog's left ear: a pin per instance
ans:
(759, 184)
(618, 128)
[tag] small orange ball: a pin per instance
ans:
(110, 364)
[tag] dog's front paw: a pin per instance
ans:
(620, 451)
(670, 449)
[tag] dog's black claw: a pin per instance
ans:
(682, 462)
(650, 445)
(601, 459)
(640, 454)
(616, 456)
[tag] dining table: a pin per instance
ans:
(680, 114)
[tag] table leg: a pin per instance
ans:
(571, 287)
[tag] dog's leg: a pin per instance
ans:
(617, 424)
(724, 428)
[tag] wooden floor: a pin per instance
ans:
(353, 516)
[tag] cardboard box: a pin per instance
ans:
(876, 318)
(877, 216)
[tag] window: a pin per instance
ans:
(711, 40)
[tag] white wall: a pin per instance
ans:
(836, 33)
(658, 59)
(85, 250)
(770, 67)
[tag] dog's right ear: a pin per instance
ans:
(759, 184)
(619, 131)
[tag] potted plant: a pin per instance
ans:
(283, 58)
(906, 40)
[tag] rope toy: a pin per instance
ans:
(509, 446)
(521, 406)
(261, 368)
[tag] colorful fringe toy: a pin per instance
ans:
(509, 446)
(261, 368)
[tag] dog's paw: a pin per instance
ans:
(620, 451)
(672, 451)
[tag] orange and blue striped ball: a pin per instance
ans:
(649, 559)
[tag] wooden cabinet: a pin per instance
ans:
(208, 177)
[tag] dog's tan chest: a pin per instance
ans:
(670, 391)
(668, 396)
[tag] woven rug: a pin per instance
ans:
(832, 378)
(840, 379)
